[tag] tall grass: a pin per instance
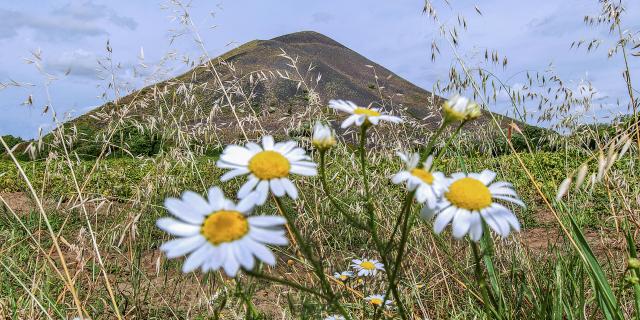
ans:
(78, 206)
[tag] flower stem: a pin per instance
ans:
(327, 190)
(446, 145)
(380, 247)
(482, 282)
(317, 265)
(432, 142)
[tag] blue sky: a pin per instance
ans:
(72, 36)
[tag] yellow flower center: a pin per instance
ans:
(343, 277)
(376, 301)
(224, 226)
(367, 265)
(469, 193)
(367, 112)
(424, 175)
(268, 165)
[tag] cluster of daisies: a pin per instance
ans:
(363, 268)
(219, 233)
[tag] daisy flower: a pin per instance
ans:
(334, 317)
(323, 137)
(469, 200)
(361, 115)
(428, 185)
(217, 233)
(378, 300)
(367, 267)
(461, 109)
(268, 166)
(343, 276)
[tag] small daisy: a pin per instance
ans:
(219, 233)
(323, 137)
(378, 300)
(334, 317)
(268, 166)
(367, 267)
(343, 276)
(428, 185)
(469, 200)
(461, 109)
(360, 115)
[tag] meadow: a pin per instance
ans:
(85, 233)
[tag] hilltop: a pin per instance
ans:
(275, 86)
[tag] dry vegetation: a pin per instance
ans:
(78, 208)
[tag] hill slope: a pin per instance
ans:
(264, 91)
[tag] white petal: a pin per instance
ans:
(196, 259)
(374, 120)
(216, 198)
(253, 147)
(486, 176)
(303, 171)
(267, 142)
(197, 202)
(349, 121)
(400, 177)
(285, 147)
(344, 106)
(181, 246)
(183, 211)
(230, 263)
(263, 253)
(177, 228)
(360, 120)
(475, 232)
(443, 219)
(262, 190)
(510, 199)
(248, 186)
(428, 211)
(266, 221)
(276, 187)
(496, 223)
(268, 237)
(226, 165)
(215, 259)
(461, 223)
(291, 190)
(243, 254)
(307, 164)
(238, 155)
(247, 203)
(233, 173)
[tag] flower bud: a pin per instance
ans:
(633, 263)
(323, 137)
(461, 109)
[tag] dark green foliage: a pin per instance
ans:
(11, 141)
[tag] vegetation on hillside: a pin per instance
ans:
(95, 216)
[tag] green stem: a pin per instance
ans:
(317, 265)
(482, 282)
(407, 203)
(372, 219)
(432, 142)
(446, 145)
(327, 190)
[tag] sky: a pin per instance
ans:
(68, 40)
